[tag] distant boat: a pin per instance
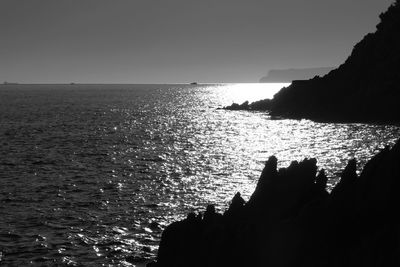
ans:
(193, 83)
(7, 83)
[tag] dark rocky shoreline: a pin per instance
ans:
(365, 88)
(291, 220)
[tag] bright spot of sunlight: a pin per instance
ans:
(251, 92)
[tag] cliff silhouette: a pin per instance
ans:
(291, 220)
(365, 88)
(288, 75)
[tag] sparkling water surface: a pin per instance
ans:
(91, 174)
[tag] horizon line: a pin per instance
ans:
(180, 83)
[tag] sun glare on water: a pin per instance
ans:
(251, 92)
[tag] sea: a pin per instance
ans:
(91, 174)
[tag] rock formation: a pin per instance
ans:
(291, 220)
(366, 88)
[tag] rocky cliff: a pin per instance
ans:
(365, 88)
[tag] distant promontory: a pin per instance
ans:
(365, 88)
(289, 75)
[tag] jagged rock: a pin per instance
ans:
(235, 106)
(260, 105)
(236, 206)
(291, 220)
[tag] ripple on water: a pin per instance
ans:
(93, 176)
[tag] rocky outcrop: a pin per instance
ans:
(366, 88)
(235, 106)
(291, 220)
(289, 75)
(260, 105)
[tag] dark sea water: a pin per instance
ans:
(91, 174)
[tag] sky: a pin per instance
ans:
(176, 41)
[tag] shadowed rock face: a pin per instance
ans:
(260, 105)
(365, 88)
(291, 220)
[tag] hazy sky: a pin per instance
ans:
(167, 41)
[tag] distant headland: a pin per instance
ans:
(289, 75)
(365, 88)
